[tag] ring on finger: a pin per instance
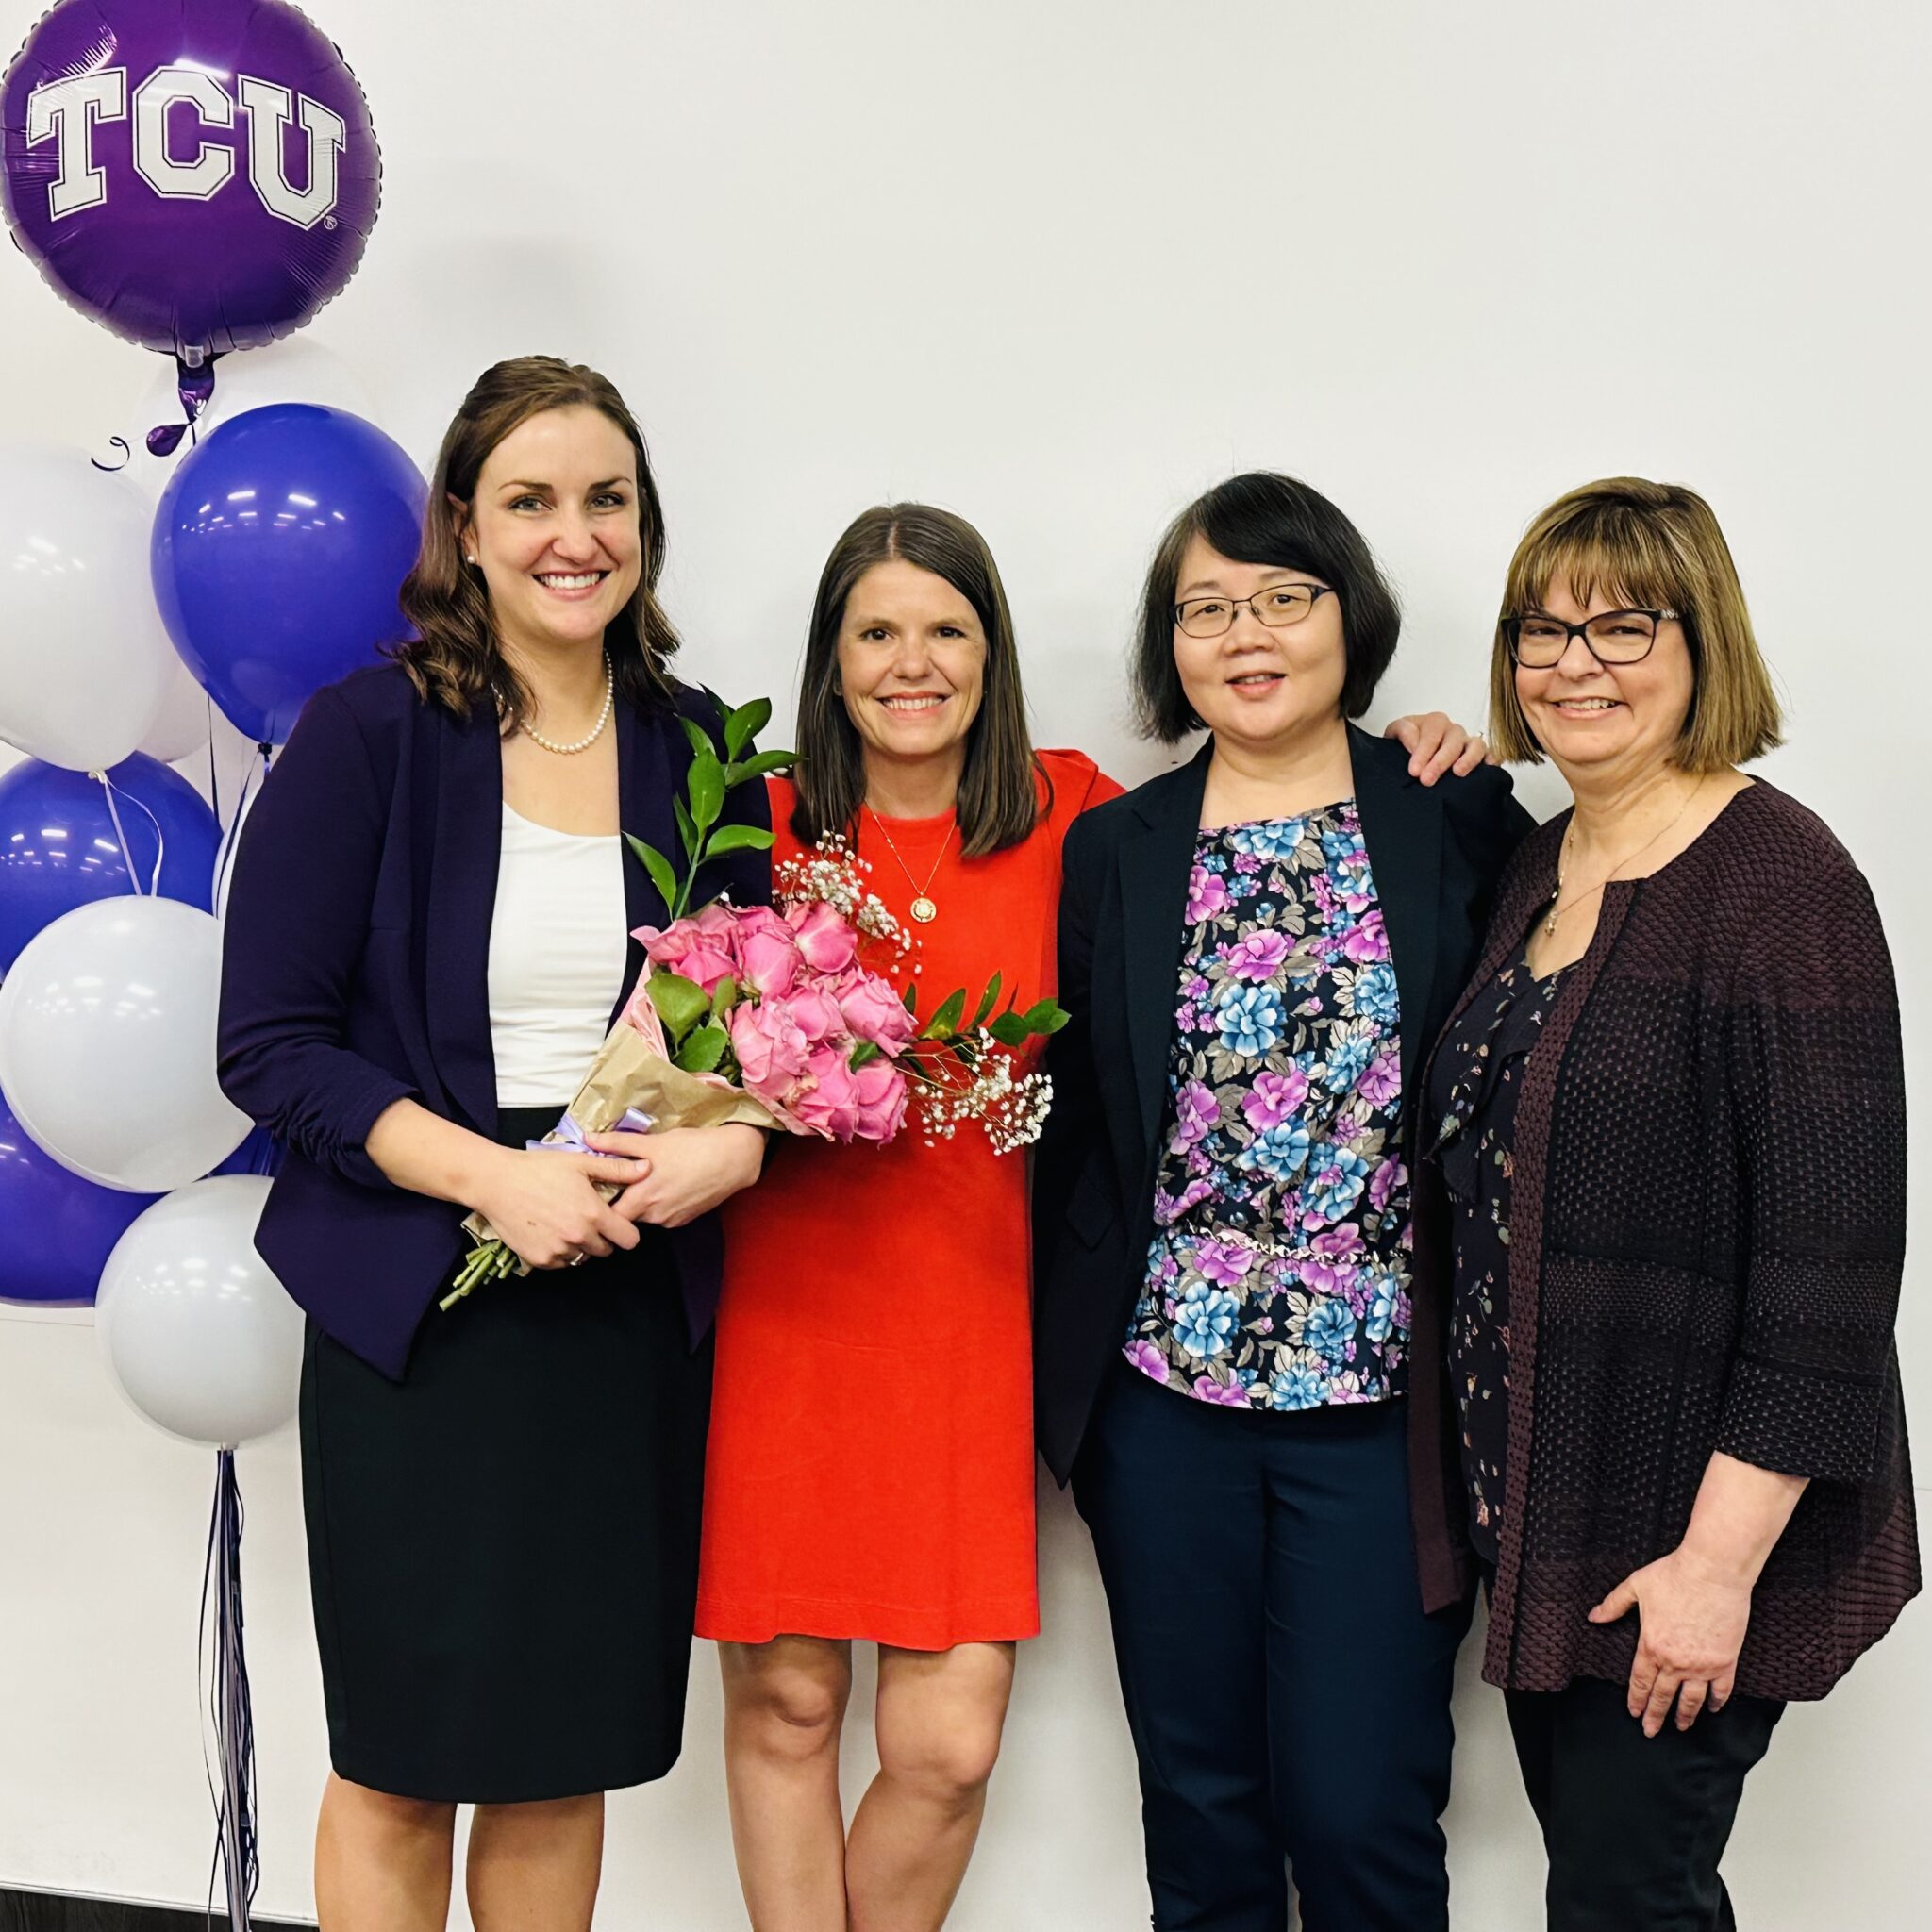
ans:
(577, 1259)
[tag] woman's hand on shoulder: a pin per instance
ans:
(1437, 744)
(1692, 1619)
(686, 1172)
(546, 1206)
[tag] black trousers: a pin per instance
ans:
(1287, 1698)
(1635, 1825)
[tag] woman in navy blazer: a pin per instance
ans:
(1256, 950)
(427, 937)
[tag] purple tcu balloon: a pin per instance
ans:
(198, 176)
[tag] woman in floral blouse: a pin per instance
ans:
(1256, 949)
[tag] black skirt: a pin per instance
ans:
(503, 1548)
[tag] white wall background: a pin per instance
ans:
(1060, 264)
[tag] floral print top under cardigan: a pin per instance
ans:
(1278, 1273)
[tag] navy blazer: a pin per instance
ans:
(355, 971)
(1434, 852)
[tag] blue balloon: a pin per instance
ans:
(59, 1229)
(279, 549)
(57, 847)
(259, 1154)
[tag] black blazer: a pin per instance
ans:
(1436, 853)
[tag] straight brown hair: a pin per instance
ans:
(1000, 788)
(456, 658)
(1654, 546)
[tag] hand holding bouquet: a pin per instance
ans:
(769, 1016)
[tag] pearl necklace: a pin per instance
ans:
(596, 730)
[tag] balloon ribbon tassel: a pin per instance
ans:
(230, 1705)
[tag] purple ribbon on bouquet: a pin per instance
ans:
(571, 1139)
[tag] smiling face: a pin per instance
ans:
(554, 530)
(911, 664)
(1608, 718)
(1256, 685)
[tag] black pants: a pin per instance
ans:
(1634, 1827)
(1289, 1699)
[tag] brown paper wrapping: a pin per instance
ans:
(629, 1072)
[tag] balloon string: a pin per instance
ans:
(230, 1703)
(228, 843)
(214, 777)
(154, 884)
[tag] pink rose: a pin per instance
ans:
(773, 1054)
(829, 943)
(768, 955)
(815, 1013)
(874, 1011)
(829, 1104)
(882, 1095)
(697, 949)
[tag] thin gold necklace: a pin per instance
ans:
(922, 908)
(1557, 902)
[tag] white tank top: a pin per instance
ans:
(557, 956)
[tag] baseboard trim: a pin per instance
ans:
(29, 1908)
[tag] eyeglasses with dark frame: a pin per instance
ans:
(1277, 608)
(1537, 641)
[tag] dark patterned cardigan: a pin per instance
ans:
(1707, 1246)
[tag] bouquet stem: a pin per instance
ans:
(488, 1261)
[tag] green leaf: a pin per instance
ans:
(762, 766)
(1046, 1016)
(707, 789)
(910, 997)
(1054, 1021)
(986, 1002)
(724, 997)
(658, 867)
(701, 1052)
(743, 724)
(700, 740)
(686, 830)
(1010, 1029)
(737, 839)
(865, 1050)
(947, 1021)
(681, 1002)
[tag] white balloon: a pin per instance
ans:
(181, 725)
(198, 1334)
(84, 662)
(107, 1043)
(294, 370)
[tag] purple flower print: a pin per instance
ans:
(1148, 1359)
(1197, 1114)
(1381, 1081)
(1257, 957)
(1383, 1184)
(1220, 1262)
(1224, 1395)
(1274, 1097)
(1206, 895)
(1369, 940)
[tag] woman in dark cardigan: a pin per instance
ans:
(1256, 950)
(425, 942)
(1669, 1142)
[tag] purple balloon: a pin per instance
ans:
(197, 176)
(61, 1229)
(279, 549)
(58, 848)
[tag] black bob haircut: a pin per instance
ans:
(1281, 523)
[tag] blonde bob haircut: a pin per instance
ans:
(1646, 546)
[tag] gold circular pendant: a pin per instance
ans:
(925, 910)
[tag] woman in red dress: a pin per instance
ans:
(869, 1473)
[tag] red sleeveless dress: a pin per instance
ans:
(869, 1472)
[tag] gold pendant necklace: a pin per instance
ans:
(924, 910)
(1557, 902)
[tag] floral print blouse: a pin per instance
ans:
(1278, 1277)
(1473, 1088)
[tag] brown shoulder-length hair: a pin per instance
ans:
(999, 789)
(1653, 546)
(455, 656)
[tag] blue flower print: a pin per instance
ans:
(1348, 1059)
(1330, 1327)
(1336, 1177)
(1250, 1019)
(1341, 845)
(1379, 1319)
(1280, 1152)
(1374, 995)
(1204, 1320)
(1276, 840)
(1297, 1387)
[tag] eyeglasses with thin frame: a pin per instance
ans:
(1537, 641)
(1277, 608)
